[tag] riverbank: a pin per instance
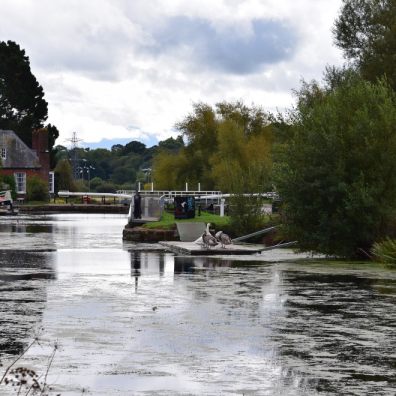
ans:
(152, 235)
(74, 208)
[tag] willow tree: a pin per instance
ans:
(241, 163)
(338, 176)
(209, 132)
(242, 166)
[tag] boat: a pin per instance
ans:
(6, 204)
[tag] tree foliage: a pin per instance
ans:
(338, 175)
(64, 176)
(119, 168)
(22, 104)
(228, 147)
(366, 32)
(36, 189)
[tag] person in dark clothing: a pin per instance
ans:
(137, 206)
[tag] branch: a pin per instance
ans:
(48, 368)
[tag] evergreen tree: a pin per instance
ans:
(22, 103)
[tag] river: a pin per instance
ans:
(130, 319)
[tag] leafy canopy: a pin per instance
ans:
(226, 146)
(22, 104)
(366, 32)
(338, 174)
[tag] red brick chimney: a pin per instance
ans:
(40, 145)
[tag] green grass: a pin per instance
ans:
(168, 220)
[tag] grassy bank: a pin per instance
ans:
(168, 220)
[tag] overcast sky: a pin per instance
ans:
(127, 70)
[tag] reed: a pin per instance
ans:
(385, 251)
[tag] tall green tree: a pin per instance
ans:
(338, 175)
(64, 176)
(366, 32)
(22, 103)
(212, 136)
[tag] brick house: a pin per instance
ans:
(22, 162)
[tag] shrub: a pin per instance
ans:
(106, 187)
(36, 189)
(246, 214)
(95, 182)
(80, 185)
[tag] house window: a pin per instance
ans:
(3, 153)
(51, 184)
(20, 180)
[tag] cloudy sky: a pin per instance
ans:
(125, 70)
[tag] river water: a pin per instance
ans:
(134, 320)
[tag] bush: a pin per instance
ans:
(80, 186)
(246, 214)
(106, 187)
(36, 189)
(95, 182)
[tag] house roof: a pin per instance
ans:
(18, 154)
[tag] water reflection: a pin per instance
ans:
(311, 326)
(23, 294)
(133, 321)
(188, 264)
(146, 263)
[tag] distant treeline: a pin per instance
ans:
(109, 170)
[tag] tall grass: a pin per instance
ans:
(385, 251)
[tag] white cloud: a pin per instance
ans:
(122, 69)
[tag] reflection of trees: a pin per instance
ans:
(23, 295)
(243, 292)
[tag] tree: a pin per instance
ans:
(338, 175)
(242, 163)
(117, 148)
(366, 32)
(242, 166)
(170, 170)
(253, 120)
(22, 103)
(134, 147)
(199, 128)
(172, 144)
(64, 176)
(212, 138)
(53, 134)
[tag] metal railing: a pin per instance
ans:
(169, 193)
